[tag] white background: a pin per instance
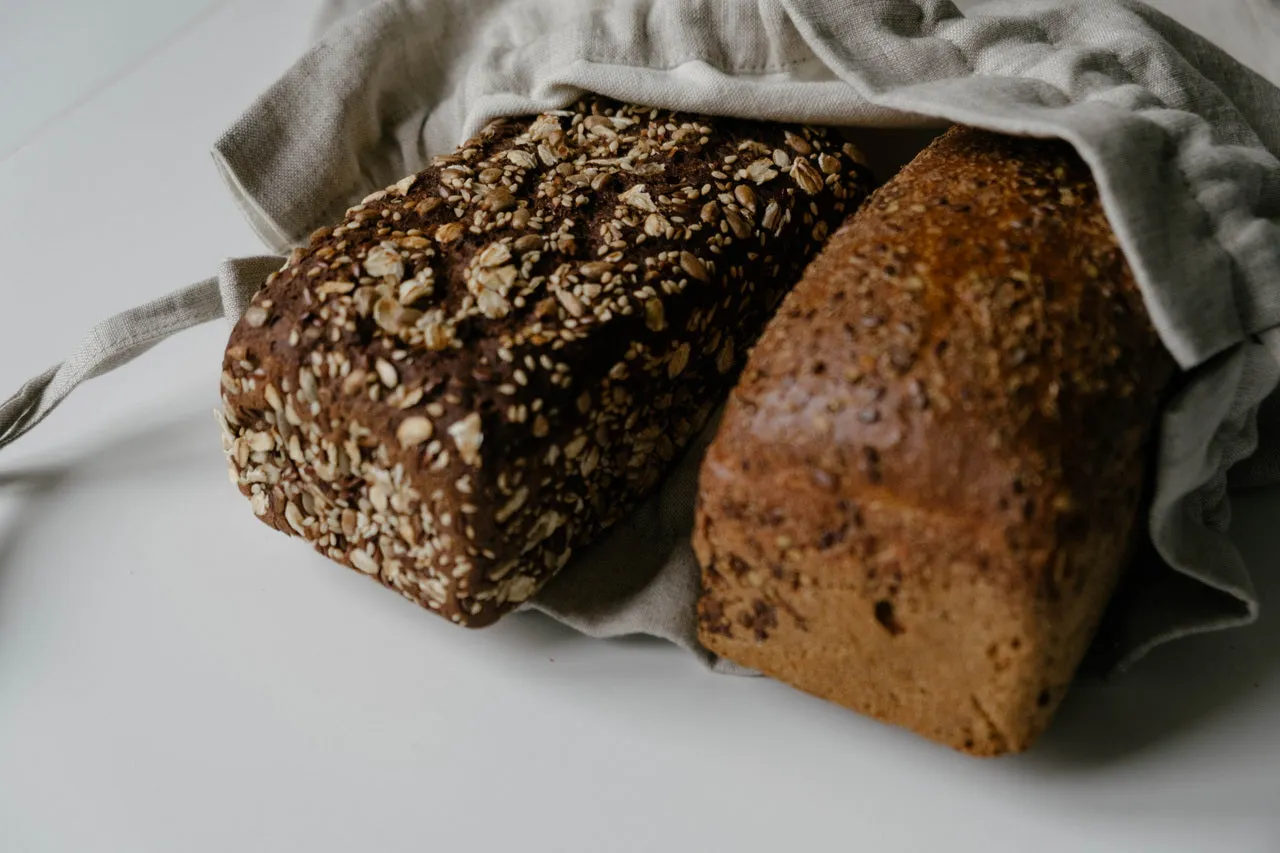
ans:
(175, 676)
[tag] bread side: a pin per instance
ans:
(928, 478)
(487, 364)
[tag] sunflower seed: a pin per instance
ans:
(354, 382)
(654, 315)
(362, 561)
(273, 398)
(740, 226)
(570, 302)
(329, 288)
(414, 431)
(798, 143)
(404, 397)
(575, 447)
(497, 199)
(772, 216)
(692, 265)
(307, 390)
(293, 515)
(724, 360)
(853, 153)
(512, 506)
(679, 360)
(387, 373)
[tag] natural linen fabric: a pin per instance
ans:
(1182, 139)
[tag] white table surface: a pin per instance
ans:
(175, 676)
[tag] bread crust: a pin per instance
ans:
(490, 362)
(929, 477)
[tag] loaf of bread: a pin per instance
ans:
(490, 362)
(928, 479)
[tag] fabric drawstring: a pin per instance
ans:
(120, 339)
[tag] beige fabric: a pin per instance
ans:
(1182, 139)
(118, 340)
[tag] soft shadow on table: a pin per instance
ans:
(1176, 689)
(1171, 694)
(33, 487)
(1183, 685)
(141, 451)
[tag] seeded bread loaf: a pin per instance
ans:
(928, 479)
(490, 362)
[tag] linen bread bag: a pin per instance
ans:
(1180, 140)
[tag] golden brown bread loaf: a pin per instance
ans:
(927, 481)
(490, 362)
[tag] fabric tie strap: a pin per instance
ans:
(120, 339)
